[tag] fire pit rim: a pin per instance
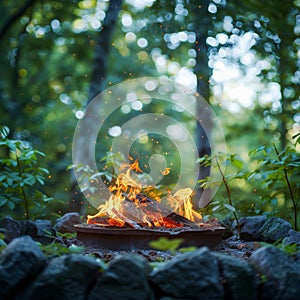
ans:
(145, 231)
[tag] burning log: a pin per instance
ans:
(153, 207)
(144, 212)
(130, 222)
(181, 220)
(128, 207)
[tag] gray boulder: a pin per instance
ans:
(192, 275)
(293, 238)
(20, 262)
(12, 228)
(37, 230)
(250, 227)
(279, 274)
(43, 227)
(126, 278)
(239, 278)
(274, 229)
(66, 222)
(66, 277)
(261, 228)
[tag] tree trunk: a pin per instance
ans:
(103, 45)
(286, 69)
(14, 17)
(15, 89)
(202, 23)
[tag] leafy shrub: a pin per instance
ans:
(20, 177)
(236, 172)
(274, 180)
(278, 174)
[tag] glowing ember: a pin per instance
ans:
(128, 207)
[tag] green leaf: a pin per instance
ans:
(293, 164)
(39, 152)
(2, 177)
(44, 170)
(229, 207)
(205, 161)
(11, 205)
(71, 167)
(15, 199)
(237, 163)
(8, 162)
(187, 249)
(268, 184)
(99, 174)
(290, 249)
(4, 131)
(3, 201)
(76, 249)
(47, 199)
(242, 175)
(29, 154)
(67, 235)
(2, 235)
(40, 179)
(215, 208)
(2, 245)
(165, 244)
(30, 180)
(258, 149)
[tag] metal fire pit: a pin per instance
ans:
(139, 238)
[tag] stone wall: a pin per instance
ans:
(25, 273)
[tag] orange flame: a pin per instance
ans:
(127, 206)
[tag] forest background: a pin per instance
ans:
(243, 57)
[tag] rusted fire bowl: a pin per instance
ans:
(115, 238)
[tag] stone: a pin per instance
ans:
(250, 227)
(279, 274)
(261, 228)
(66, 222)
(12, 228)
(293, 238)
(66, 277)
(274, 229)
(36, 230)
(45, 233)
(43, 227)
(29, 228)
(20, 262)
(239, 278)
(192, 275)
(126, 278)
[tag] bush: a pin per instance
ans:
(20, 178)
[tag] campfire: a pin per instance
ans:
(141, 215)
(129, 207)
